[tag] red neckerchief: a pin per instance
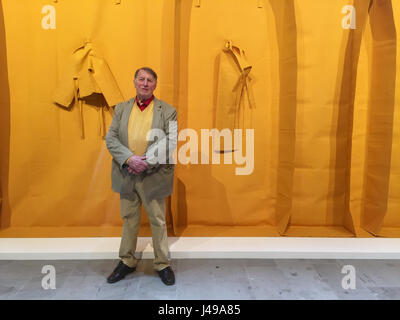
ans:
(145, 103)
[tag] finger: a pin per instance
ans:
(141, 164)
(138, 170)
(144, 164)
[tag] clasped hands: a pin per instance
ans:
(136, 164)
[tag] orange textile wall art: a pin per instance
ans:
(288, 114)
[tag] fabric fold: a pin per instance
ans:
(86, 73)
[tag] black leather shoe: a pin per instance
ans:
(167, 276)
(120, 272)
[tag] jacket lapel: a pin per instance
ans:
(157, 115)
(157, 119)
(125, 121)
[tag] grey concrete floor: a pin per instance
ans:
(210, 279)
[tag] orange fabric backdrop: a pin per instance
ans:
(323, 100)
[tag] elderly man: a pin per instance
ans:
(142, 171)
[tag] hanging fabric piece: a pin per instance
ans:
(242, 85)
(233, 86)
(86, 73)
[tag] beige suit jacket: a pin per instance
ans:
(157, 180)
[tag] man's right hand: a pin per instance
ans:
(136, 164)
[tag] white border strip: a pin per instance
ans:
(204, 248)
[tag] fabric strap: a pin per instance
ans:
(79, 101)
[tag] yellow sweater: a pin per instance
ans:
(140, 123)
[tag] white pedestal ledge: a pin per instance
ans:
(203, 248)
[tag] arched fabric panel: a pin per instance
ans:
(4, 127)
(327, 69)
(346, 88)
(211, 199)
(181, 56)
(391, 222)
(285, 132)
(380, 194)
(59, 184)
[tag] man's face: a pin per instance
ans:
(145, 84)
